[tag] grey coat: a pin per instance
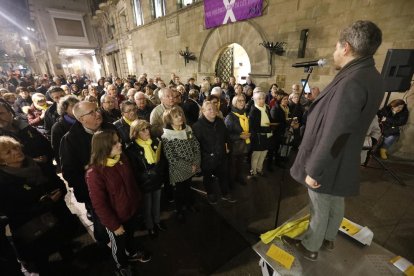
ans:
(336, 126)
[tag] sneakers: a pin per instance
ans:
(328, 245)
(252, 176)
(124, 271)
(297, 244)
(212, 199)
(229, 198)
(142, 256)
(261, 174)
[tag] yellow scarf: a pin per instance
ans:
(110, 162)
(264, 119)
(244, 123)
(286, 110)
(151, 156)
(41, 107)
(127, 121)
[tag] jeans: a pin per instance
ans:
(326, 214)
(152, 202)
(389, 140)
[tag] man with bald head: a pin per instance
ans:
(75, 153)
(167, 102)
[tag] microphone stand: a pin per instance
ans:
(309, 71)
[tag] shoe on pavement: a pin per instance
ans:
(229, 198)
(124, 271)
(297, 244)
(328, 245)
(142, 256)
(161, 226)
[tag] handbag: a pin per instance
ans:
(35, 228)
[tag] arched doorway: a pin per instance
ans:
(228, 34)
(233, 61)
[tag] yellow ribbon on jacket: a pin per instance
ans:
(110, 162)
(244, 123)
(151, 156)
(291, 229)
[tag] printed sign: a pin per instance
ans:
(220, 12)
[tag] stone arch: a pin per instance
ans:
(245, 33)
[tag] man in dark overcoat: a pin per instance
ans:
(329, 157)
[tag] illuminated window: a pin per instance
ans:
(184, 3)
(139, 19)
(158, 8)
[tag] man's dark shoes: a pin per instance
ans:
(229, 198)
(161, 226)
(328, 245)
(152, 233)
(297, 244)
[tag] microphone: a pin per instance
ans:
(320, 62)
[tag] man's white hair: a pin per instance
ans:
(216, 91)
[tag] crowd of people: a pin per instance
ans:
(121, 144)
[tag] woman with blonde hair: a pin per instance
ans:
(32, 198)
(182, 151)
(149, 167)
(36, 112)
(115, 197)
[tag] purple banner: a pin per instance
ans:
(220, 12)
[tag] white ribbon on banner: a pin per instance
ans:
(228, 4)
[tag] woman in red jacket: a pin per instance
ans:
(115, 197)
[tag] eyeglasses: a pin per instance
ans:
(130, 110)
(145, 128)
(92, 112)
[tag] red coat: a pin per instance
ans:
(114, 193)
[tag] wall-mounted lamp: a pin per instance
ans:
(276, 48)
(187, 55)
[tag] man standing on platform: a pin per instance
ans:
(329, 157)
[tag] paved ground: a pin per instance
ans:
(218, 238)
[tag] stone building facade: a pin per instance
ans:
(153, 44)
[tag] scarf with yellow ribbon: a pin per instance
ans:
(127, 121)
(41, 107)
(110, 162)
(151, 156)
(244, 123)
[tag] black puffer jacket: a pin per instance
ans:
(149, 176)
(393, 122)
(212, 137)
